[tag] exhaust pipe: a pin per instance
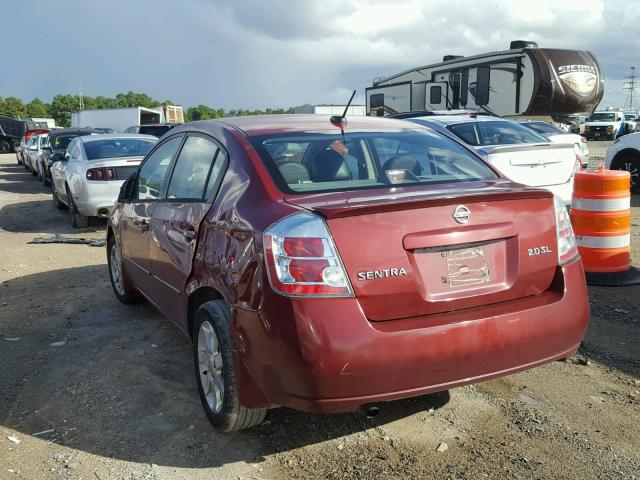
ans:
(369, 411)
(103, 213)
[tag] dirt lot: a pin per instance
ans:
(92, 389)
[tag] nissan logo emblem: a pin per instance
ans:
(462, 214)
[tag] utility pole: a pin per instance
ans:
(81, 100)
(630, 86)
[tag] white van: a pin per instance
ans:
(605, 125)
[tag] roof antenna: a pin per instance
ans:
(341, 120)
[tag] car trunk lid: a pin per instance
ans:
(537, 165)
(406, 255)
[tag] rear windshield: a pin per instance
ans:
(157, 130)
(116, 148)
(495, 133)
(542, 127)
(317, 162)
(62, 141)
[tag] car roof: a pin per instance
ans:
(116, 136)
(269, 124)
(455, 119)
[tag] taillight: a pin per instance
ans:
(302, 259)
(567, 248)
(578, 166)
(101, 174)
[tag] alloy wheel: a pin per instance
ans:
(210, 367)
(116, 270)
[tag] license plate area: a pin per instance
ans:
(458, 271)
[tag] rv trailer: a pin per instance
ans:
(522, 81)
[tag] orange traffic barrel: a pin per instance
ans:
(601, 219)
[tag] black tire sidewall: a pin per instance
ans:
(216, 313)
(77, 220)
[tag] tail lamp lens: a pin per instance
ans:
(101, 174)
(302, 259)
(567, 247)
(578, 166)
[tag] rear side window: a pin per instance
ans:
(154, 169)
(361, 160)
(191, 172)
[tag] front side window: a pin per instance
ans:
(495, 133)
(154, 169)
(192, 169)
(369, 159)
(117, 148)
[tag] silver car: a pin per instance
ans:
(88, 179)
(33, 152)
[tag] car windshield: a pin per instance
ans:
(542, 127)
(117, 147)
(495, 133)
(602, 117)
(157, 130)
(316, 162)
(630, 117)
(62, 141)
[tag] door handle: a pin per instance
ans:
(141, 224)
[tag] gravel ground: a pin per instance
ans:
(91, 389)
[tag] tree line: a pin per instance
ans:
(62, 106)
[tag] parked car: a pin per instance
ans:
(624, 154)
(522, 155)
(157, 130)
(22, 146)
(556, 135)
(324, 271)
(58, 142)
(34, 151)
(630, 122)
(87, 180)
(605, 125)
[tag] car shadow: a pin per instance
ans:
(118, 381)
(50, 219)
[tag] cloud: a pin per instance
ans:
(257, 54)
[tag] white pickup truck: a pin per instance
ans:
(605, 125)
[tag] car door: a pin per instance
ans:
(59, 173)
(136, 213)
(175, 222)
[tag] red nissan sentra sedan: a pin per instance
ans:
(324, 270)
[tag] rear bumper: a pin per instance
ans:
(564, 191)
(330, 358)
(95, 196)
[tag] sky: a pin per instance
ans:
(282, 53)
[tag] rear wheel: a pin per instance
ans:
(122, 288)
(631, 163)
(215, 375)
(77, 219)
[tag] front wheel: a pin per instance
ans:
(215, 374)
(631, 163)
(122, 288)
(77, 219)
(5, 147)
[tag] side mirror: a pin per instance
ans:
(66, 157)
(56, 157)
(482, 85)
(128, 189)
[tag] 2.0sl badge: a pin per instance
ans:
(538, 250)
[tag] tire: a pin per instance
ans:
(77, 220)
(121, 285)
(39, 171)
(34, 172)
(43, 176)
(211, 334)
(5, 147)
(56, 200)
(631, 163)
